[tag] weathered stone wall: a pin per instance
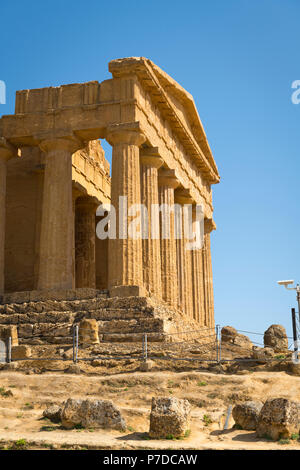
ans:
(23, 212)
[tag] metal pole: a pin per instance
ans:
(294, 329)
(217, 346)
(74, 334)
(77, 330)
(9, 350)
(220, 345)
(146, 348)
(298, 300)
(227, 417)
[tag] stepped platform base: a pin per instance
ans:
(49, 318)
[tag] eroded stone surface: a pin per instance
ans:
(279, 418)
(92, 414)
(169, 417)
(275, 337)
(246, 414)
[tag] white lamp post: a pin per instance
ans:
(297, 289)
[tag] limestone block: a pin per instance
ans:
(88, 332)
(279, 418)
(9, 331)
(276, 338)
(246, 414)
(92, 414)
(169, 417)
(53, 413)
(146, 366)
(230, 335)
(20, 352)
(127, 291)
(262, 355)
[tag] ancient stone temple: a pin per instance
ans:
(54, 176)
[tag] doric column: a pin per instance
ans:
(85, 242)
(167, 183)
(180, 251)
(207, 271)
(184, 265)
(150, 163)
(57, 228)
(197, 269)
(125, 264)
(7, 151)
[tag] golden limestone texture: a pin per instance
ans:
(54, 178)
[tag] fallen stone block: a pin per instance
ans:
(53, 413)
(246, 414)
(276, 338)
(169, 417)
(279, 419)
(92, 414)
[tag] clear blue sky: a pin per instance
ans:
(238, 58)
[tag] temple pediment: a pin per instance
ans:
(176, 105)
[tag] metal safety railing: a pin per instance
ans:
(206, 344)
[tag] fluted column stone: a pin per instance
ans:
(197, 269)
(180, 250)
(150, 163)
(7, 151)
(185, 278)
(85, 243)
(125, 264)
(207, 268)
(167, 183)
(57, 227)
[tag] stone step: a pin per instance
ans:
(86, 305)
(69, 316)
(152, 325)
(132, 338)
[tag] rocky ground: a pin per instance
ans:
(210, 391)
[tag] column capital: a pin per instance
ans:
(183, 196)
(209, 225)
(168, 178)
(150, 156)
(128, 133)
(70, 144)
(7, 150)
(87, 202)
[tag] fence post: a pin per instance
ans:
(146, 348)
(74, 334)
(227, 417)
(76, 356)
(217, 345)
(9, 350)
(220, 344)
(294, 330)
